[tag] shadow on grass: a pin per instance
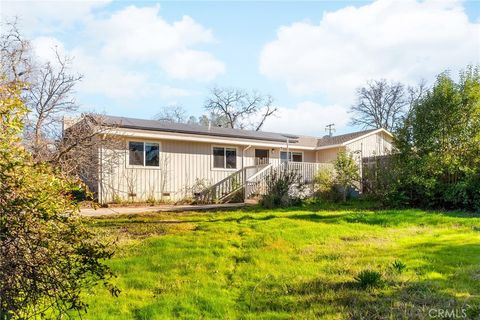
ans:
(457, 261)
(458, 290)
(412, 300)
(350, 212)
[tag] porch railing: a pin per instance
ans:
(308, 170)
(224, 188)
(254, 180)
(257, 184)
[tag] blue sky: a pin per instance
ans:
(138, 57)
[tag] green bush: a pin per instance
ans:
(48, 256)
(368, 279)
(324, 184)
(347, 173)
(283, 188)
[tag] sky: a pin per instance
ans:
(138, 57)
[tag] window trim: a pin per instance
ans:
(136, 166)
(225, 158)
(292, 152)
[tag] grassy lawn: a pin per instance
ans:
(297, 263)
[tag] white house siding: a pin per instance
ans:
(328, 155)
(183, 164)
(372, 145)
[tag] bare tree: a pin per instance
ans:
(50, 97)
(415, 94)
(174, 113)
(239, 108)
(380, 104)
(15, 53)
(383, 104)
(49, 93)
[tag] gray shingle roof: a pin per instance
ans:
(164, 126)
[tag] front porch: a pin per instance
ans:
(252, 180)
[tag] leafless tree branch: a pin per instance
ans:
(383, 104)
(239, 108)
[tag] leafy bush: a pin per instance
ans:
(368, 279)
(347, 173)
(48, 257)
(283, 188)
(324, 184)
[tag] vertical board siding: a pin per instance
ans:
(182, 166)
(327, 155)
(374, 145)
(187, 167)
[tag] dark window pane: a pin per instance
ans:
(151, 154)
(135, 153)
(231, 155)
(297, 157)
(218, 157)
(283, 156)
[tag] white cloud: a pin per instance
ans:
(49, 16)
(134, 52)
(190, 64)
(45, 48)
(399, 40)
(307, 118)
(141, 35)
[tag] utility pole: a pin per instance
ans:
(330, 128)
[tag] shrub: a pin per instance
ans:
(324, 184)
(283, 188)
(347, 172)
(48, 257)
(368, 279)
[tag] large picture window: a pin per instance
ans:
(143, 154)
(224, 158)
(293, 156)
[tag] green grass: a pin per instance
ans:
(290, 264)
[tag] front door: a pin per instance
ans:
(261, 156)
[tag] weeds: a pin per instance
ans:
(368, 279)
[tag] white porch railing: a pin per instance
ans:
(308, 170)
(257, 183)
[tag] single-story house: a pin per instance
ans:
(158, 160)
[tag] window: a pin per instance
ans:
(293, 156)
(224, 158)
(136, 153)
(143, 154)
(151, 155)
